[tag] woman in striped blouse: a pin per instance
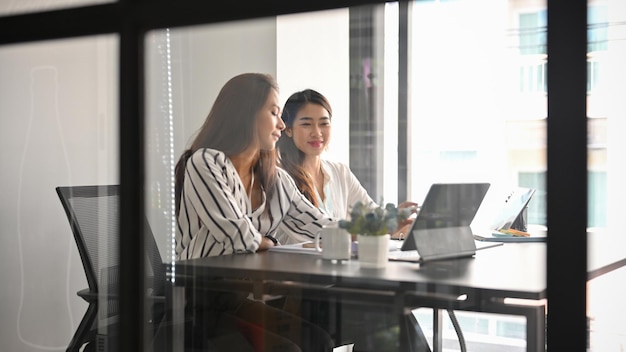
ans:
(231, 198)
(230, 195)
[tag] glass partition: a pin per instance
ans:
(186, 67)
(475, 111)
(59, 128)
(494, 131)
(606, 150)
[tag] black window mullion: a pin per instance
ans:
(567, 176)
(132, 261)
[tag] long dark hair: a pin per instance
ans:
(231, 127)
(290, 157)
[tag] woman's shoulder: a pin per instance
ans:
(336, 167)
(216, 156)
(283, 175)
(335, 164)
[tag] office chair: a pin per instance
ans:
(93, 214)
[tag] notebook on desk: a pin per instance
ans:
(441, 229)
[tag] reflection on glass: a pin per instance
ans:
(58, 127)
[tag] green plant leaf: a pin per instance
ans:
(376, 221)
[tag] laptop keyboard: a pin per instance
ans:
(412, 254)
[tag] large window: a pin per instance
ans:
(494, 73)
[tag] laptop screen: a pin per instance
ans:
(448, 205)
(512, 208)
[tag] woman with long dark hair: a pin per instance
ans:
(231, 198)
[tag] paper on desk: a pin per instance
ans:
(395, 245)
(344, 348)
(303, 248)
(537, 234)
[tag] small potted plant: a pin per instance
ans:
(372, 227)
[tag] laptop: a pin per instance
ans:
(510, 214)
(442, 229)
(512, 209)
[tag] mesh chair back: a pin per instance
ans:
(93, 214)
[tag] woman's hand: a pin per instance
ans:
(411, 205)
(402, 231)
(267, 242)
(405, 226)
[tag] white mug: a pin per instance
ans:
(336, 242)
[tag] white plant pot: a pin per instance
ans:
(373, 251)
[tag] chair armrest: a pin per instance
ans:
(88, 295)
(91, 296)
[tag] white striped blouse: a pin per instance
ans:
(215, 218)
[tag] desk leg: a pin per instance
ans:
(437, 330)
(535, 329)
(535, 323)
(178, 318)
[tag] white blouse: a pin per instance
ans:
(215, 216)
(342, 189)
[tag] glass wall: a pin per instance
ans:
(58, 127)
(187, 66)
(495, 131)
(606, 50)
(476, 112)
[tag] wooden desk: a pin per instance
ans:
(510, 279)
(511, 271)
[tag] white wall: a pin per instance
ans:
(186, 68)
(313, 51)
